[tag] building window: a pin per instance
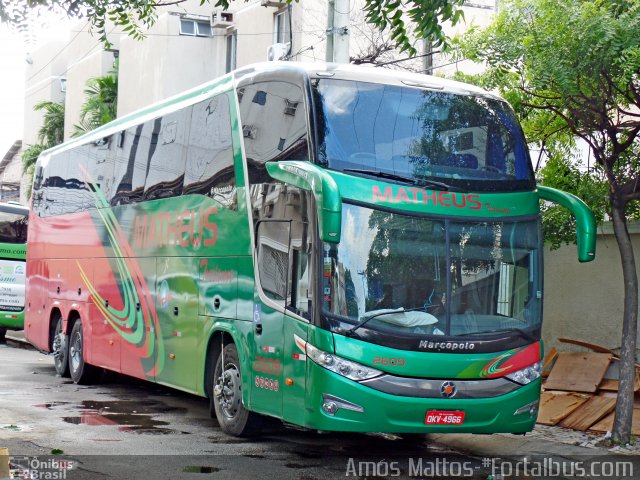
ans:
(290, 107)
(281, 32)
(196, 28)
(232, 41)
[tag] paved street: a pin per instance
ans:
(124, 428)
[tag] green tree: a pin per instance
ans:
(423, 17)
(571, 68)
(50, 134)
(101, 104)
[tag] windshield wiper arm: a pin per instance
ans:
(352, 330)
(423, 182)
(522, 333)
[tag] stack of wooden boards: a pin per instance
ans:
(581, 388)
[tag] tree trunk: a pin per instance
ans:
(624, 404)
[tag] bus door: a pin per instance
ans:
(272, 254)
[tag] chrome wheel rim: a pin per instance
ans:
(75, 351)
(227, 391)
(58, 347)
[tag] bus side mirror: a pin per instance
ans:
(325, 191)
(585, 220)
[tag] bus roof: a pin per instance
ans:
(365, 74)
(273, 70)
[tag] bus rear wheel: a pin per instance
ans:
(60, 349)
(233, 418)
(81, 372)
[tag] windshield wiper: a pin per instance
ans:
(521, 333)
(422, 182)
(352, 330)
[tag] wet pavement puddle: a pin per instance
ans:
(200, 469)
(129, 416)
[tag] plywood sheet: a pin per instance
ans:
(556, 406)
(4, 463)
(548, 361)
(606, 424)
(591, 346)
(588, 414)
(612, 385)
(578, 372)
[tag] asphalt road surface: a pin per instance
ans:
(129, 429)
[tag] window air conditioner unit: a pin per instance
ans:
(221, 19)
(271, 3)
(277, 51)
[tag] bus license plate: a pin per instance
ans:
(444, 417)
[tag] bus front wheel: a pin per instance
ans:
(81, 372)
(60, 350)
(233, 417)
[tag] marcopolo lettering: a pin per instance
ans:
(427, 197)
(451, 346)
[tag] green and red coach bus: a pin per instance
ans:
(341, 248)
(13, 252)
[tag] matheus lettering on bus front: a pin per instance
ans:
(341, 248)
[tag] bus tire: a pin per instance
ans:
(60, 349)
(3, 335)
(233, 417)
(81, 372)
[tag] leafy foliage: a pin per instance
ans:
(101, 104)
(571, 68)
(564, 173)
(423, 18)
(132, 15)
(51, 132)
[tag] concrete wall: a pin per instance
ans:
(166, 63)
(47, 66)
(255, 32)
(584, 301)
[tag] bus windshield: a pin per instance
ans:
(421, 276)
(13, 227)
(470, 142)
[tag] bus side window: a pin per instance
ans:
(272, 247)
(209, 166)
(276, 205)
(274, 125)
(127, 164)
(165, 169)
(299, 208)
(300, 298)
(85, 174)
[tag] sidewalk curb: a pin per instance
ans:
(17, 338)
(505, 445)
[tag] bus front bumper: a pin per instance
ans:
(358, 408)
(12, 321)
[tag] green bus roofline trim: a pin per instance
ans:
(585, 220)
(307, 176)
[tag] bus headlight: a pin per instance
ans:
(526, 375)
(341, 366)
